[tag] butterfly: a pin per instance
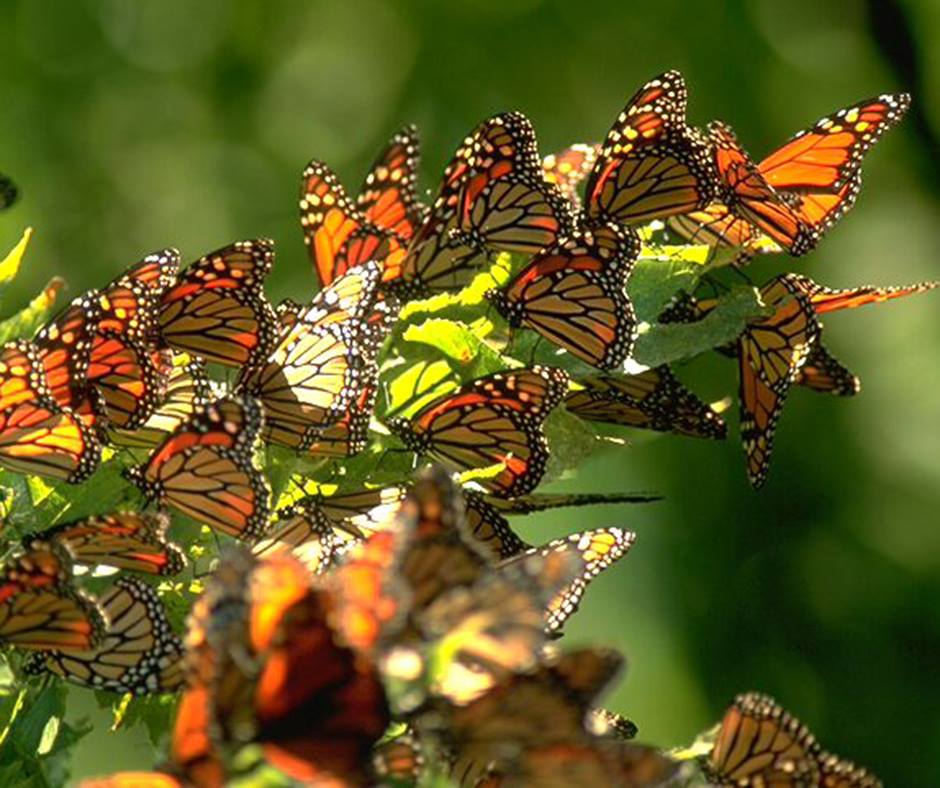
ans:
(138, 652)
(490, 421)
(749, 196)
(187, 389)
(204, 469)
(338, 236)
(37, 435)
(389, 199)
(281, 623)
(99, 353)
(437, 258)
(63, 348)
(500, 740)
(217, 310)
(39, 607)
(598, 550)
(652, 164)
(304, 530)
(653, 399)
(573, 294)
(760, 743)
(505, 204)
(569, 167)
(322, 371)
(817, 172)
(126, 540)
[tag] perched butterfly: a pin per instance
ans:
(314, 725)
(205, 469)
(125, 540)
(569, 167)
(750, 197)
(138, 652)
(187, 389)
(500, 739)
(598, 550)
(41, 610)
(505, 203)
(495, 625)
(490, 421)
(389, 197)
(825, 299)
(817, 172)
(305, 531)
(836, 772)
(436, 261)
(337, 234)
(37, 435)
(63, 349)
(573, 294)
(652, 164)
(653, 400)
(760, 744)
(322, 371)
(217, 310)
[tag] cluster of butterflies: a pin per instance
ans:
(292, 668)
(125, 368)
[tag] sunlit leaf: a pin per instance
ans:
(28, 320)
(662, 344)
(10, 265)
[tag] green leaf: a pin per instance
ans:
(461, 343)
(570, 440)
(665, 343)
(660, 273)
(28, 320)
(10, 265)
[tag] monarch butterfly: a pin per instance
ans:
(491, 529)
(63, 349)
(598, 550)
(567, 168)
(652, 164)
(759, 743)
(322, 372)
(824, 373)
(771, 351)
(125, 540)
(501, 738)
(283, 625)
(337, 235)
(505, 204)
(389, 198)
(435, 260)
(187, 389)
(37, 436)
(138, 653)
(653, 400)
(306, 532)
(129, 303)
(40, 609)
(490, 421)
(817, 172)
(204, 469)
(573, 294)
(495, 623)
(217, 309)
(749, 196)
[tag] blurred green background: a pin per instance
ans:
(130, 126)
